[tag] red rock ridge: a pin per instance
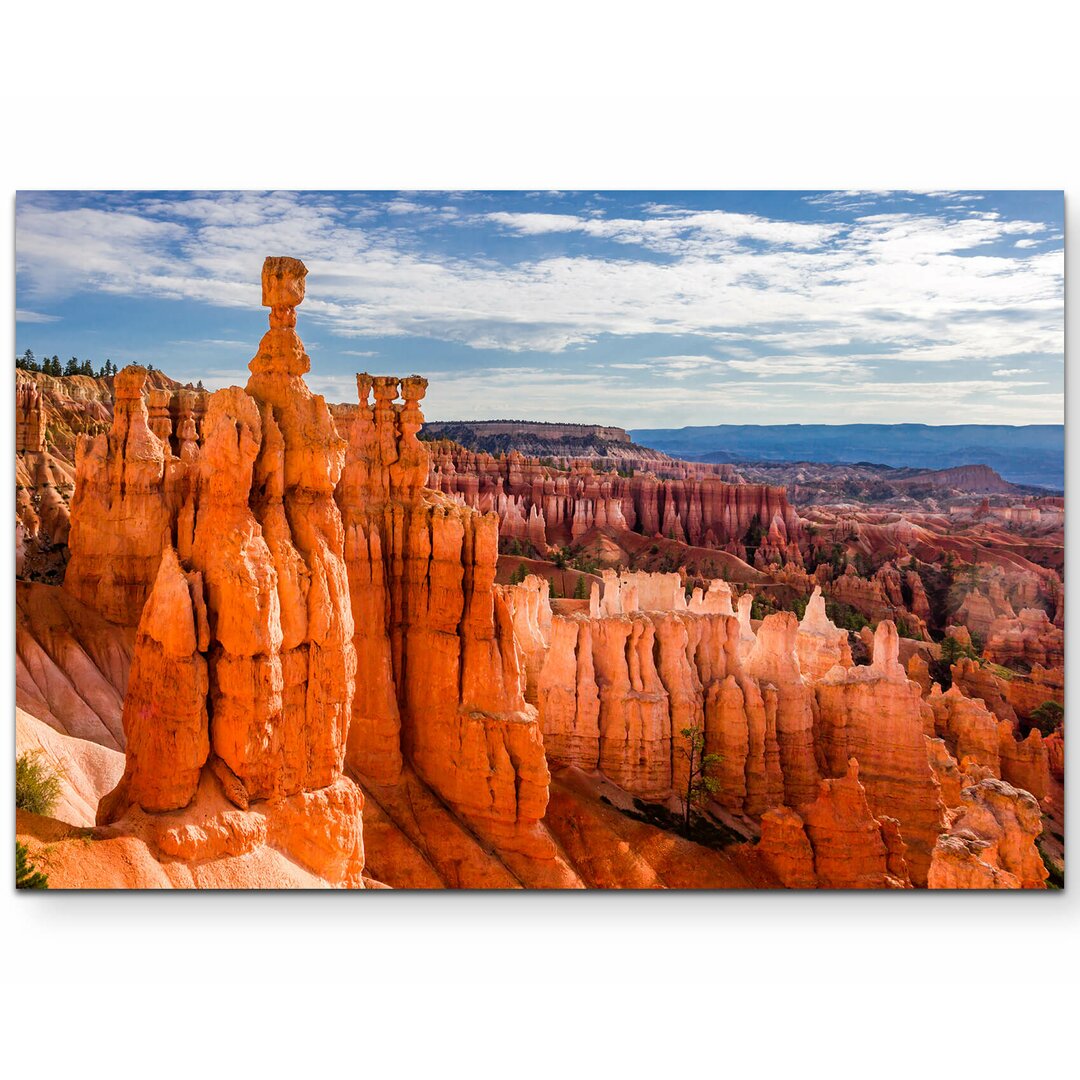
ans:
(548, 505)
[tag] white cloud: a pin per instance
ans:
(672, 230)
(34, 317)
(823, 299)
(769, 366)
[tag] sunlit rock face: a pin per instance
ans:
(990, 841)
(441, 680)
(227, 552)
(128, 492)
(874, 714)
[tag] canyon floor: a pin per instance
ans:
(266, 641)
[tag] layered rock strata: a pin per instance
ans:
(990, 843)
(836, 842)
(441, 682)
(128, 493)
(616, 685)
(549, 506)
(243, 671)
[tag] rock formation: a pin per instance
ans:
(820, 644)
(836, 842)
(1029, 639)
(71, 665)
(874, 714)
(29, 419)
(976, 681)
(990, 843)
(550, 505)
(243, 670)
(128, 491)
(441, 679)
(166, 725)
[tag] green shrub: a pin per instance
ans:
(37, 787)
(1047, 717)
(762, 606)
(1056, 879)
(845, 616)
(952, 651)
(27, 876)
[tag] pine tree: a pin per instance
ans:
(581, 588)
(72, 366)
(27, 362)
(700, 786)
(27, 876)
(86, 368)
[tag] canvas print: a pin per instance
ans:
(539, 539)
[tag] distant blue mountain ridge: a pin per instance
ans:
(1028, 454)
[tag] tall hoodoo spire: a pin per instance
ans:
(268, 676)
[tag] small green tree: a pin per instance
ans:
(37, 787)
(519, 575)
(1048, 717)
(761, 606)
(752, 538)
(952, 652)
(581, 588)
(72, 366)
(700, 786)
(27, 875)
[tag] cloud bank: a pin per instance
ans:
(880, 301)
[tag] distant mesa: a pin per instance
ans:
(541, 439)
(540, 428)
(1031, 454)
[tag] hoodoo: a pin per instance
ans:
(440, 678)
(243, 670)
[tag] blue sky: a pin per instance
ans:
(643, 309)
